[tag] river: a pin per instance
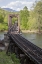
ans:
(34, 38)
(1, 35)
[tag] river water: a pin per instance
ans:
(1, 35)
(34, 38)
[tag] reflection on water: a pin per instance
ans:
(34, 38)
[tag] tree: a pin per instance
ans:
(14, 19)
(1, 18)
(24, 14)
(32, 21)
(25, 8)
(38, 14)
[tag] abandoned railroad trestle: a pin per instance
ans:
(27, 52)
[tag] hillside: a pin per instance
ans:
(9, 10)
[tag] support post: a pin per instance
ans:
(29, 61)
(22, 58)
(17, 52)
(18, 23)
(9, 22)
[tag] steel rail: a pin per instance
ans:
(32, 51)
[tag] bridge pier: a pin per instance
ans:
(17, 52)
(9, 21)
(10, 47)
(25, 60)
(22, 53)
(13, 48)
(29, 61)
(22, 58)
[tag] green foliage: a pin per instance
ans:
(35, 18)
(4, 59)
(15, 60)
(4, 19)
(28, 19)
(13, 20)
(1, 18)
(3, 27)
(38, 14)
(25, 8)
(38, 7)
(24, 14)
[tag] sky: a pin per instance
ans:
(16, 4)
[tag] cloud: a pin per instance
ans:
(18, 5)
(1, 0)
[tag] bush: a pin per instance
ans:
(15, 60)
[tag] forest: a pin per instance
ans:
(29, 19)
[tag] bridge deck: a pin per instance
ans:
(31, 50)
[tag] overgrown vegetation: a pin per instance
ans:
(4, 59)
(14, 59)
(32, 20)
(24, 16)
(29, 20)
(4, 19)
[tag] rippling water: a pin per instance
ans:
(34, 38)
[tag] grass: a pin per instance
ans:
(4, 59)
(15, 60)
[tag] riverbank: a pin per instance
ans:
(31, 31)
(4, 31)
(26, 31)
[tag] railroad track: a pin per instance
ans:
(31, 50)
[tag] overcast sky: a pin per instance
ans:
(16, 4)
